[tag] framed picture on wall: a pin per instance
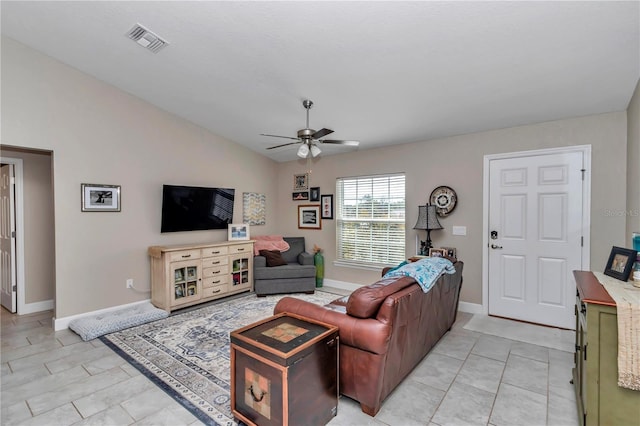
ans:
(100, 198)
(301, 182)
(309, 217)
(300, 196)
(327, 206)
(314, 194)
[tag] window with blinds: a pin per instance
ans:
(370, 214)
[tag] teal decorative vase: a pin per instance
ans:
(318, 260)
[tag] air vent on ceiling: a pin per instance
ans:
(146, 38)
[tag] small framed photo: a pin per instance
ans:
(437, 252)
(301, 182)
(451, 252)
(314, 194)
(620, 263)
(100, 198)
(300, 196)
(239, 231)
(309, 217)
(327, 206)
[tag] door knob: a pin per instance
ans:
(495, 247)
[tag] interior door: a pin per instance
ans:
(7, 237)
(535, 241)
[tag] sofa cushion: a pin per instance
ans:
(296, 246)
(274, 258)
(290, 270)
(365, 301)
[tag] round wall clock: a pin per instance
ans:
(445, 199)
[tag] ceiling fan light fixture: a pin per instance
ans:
(303, 151)
(315, 151)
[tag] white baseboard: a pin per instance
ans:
(30, 308)
(341, 284)
(472, 308)
(63, 323)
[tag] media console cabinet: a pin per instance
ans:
(595, 374)
(185, 275)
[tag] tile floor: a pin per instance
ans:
(469, 378)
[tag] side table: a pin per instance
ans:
(284, 371)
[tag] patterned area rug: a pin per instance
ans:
(187, 354)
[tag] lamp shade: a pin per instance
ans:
(303, 151)
(427, 218)
(315, 151)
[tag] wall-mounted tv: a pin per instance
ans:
(194, 208)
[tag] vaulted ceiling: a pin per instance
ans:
(380, 72)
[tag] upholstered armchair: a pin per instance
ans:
(296, 274)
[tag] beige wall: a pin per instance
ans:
(99, 134)
(458, 162)
(633, 165)
(39, 274)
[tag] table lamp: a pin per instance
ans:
(427, 220)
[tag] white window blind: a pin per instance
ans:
(370, 214)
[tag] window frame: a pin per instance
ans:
(398, 242)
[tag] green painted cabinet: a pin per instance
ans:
(595, 375)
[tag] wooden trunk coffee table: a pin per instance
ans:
(284, 371)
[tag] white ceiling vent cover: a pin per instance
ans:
(146, 38)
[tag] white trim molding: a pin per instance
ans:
(343, 285)
(19, 194)
(31, 308)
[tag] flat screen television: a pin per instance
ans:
(194, 208)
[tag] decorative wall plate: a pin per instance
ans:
(445, 199)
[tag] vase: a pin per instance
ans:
(318, 260)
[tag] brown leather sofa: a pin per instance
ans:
(386, 329)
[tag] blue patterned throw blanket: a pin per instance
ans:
(425, 271)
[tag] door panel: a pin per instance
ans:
(535, 206)
(7, 238)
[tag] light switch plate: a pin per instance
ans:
(459, 230)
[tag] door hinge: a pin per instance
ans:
(581, 241)
(584, 351)
(13, 234)
(583, 170)
(12, 180)
(14, 288)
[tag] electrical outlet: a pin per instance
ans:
(130, 283)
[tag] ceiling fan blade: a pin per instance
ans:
(320, 133)
(278, 136)
(284, 144)
(338, 142)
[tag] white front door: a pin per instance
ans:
(535, 241)
(7, 237)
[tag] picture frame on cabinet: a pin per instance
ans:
(437, 252)
(309, 217)
(100, 198)
(327, 206)
(238, 232)
(620, 263)
(451, 252)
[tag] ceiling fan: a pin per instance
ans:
(309, 138)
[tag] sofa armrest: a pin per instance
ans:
(366, 334)
(305, 258)
(259, 262)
